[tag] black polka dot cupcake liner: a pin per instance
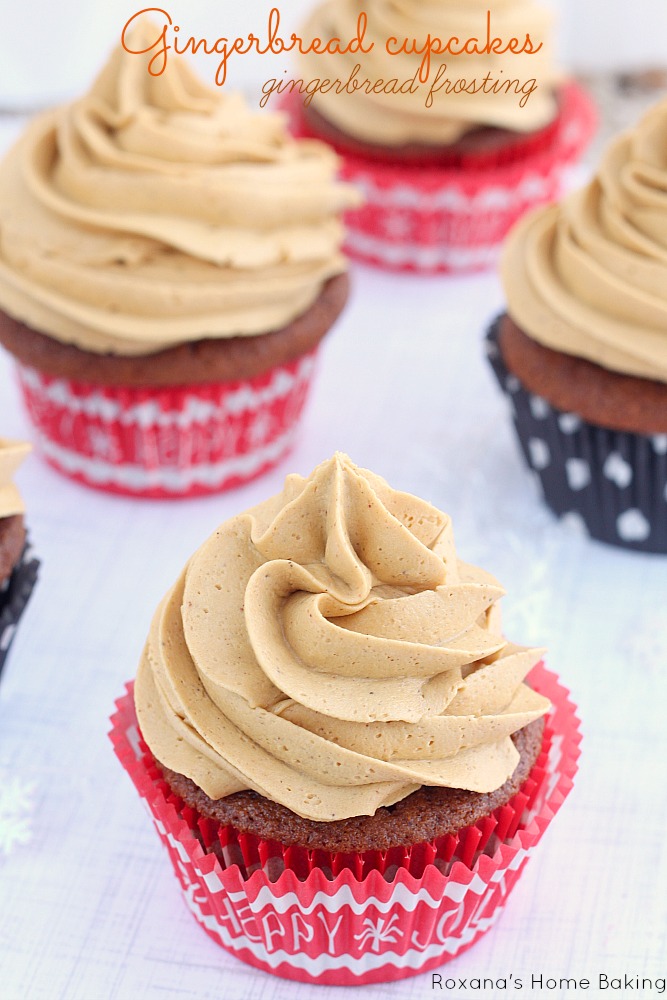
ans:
(612, 484)
(14, 595)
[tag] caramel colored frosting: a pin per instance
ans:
(589, 276)
(393, 119)
(328, 650)
(155, 211)
(12, 453)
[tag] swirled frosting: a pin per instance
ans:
(329, 650)
(12, 453)
(589, 276)
(155, 211)
(392, 119)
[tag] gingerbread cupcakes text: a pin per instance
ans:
(271, 42)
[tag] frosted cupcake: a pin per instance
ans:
(449, 150)
(169, 263)
(329, 706)
(582, 353)
(18, 567)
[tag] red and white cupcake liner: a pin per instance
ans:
(361, 918)
(175, 441)
(451, 219)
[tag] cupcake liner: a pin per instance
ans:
(15, 593)
(454, 219)
(358, 918)
(159, 442)
(610, 484)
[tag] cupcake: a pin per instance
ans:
(335, 740)
(18, 567)
(449, 150)
(169, 263)
(582, 350)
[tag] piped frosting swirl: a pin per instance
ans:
(329, 650)
(589, 276)
(395, 118)
(154, 211)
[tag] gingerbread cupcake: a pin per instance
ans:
(450, 147)
(582, 351)
(18, 566)
(328, 717)
(169, 263)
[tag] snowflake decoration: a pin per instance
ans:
(16, 809)
(103, 444)
(379, 932)
(222, 440)
(397, 226)
(261, 428)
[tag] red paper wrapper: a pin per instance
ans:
(448, 219)
(360, 918)
(177, 441)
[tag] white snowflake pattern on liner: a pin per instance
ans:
(148, 414)
(16, 812)
(451, 197)
(137, 478)
(379, 931)
(103, 443)
(423, 258)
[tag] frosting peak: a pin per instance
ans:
(329, 650)
(589, 276)
(12, 454)
(154, 211)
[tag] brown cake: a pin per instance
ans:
(479, 147)
(424, 815)
(201, 361)
(573, 384)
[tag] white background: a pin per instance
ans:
(50, 51)
(88, 905)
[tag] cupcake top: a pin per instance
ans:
(155, 211)
(328, 650)
(588, 277)
(396, 116)
(12, 454)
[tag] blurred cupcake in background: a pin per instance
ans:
(18, 566)
(169, 263)
(449, 150)
(582, 351)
